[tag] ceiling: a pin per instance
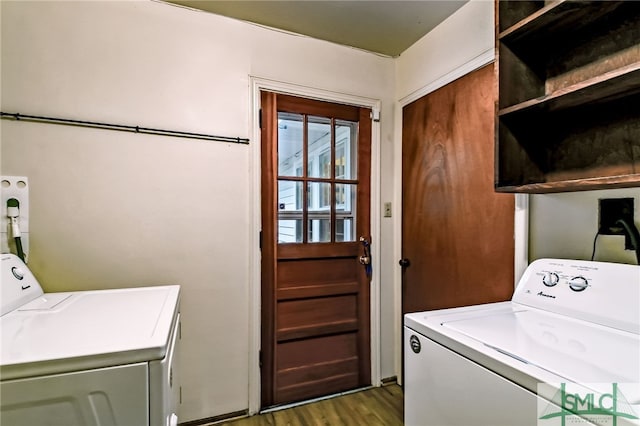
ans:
(386, 27)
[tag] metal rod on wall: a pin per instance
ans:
(122, 127)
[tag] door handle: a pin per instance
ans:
(404, 262)
(365, 259)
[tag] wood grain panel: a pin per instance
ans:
(456, 231)
(314, 330)
(307, 291)
(318, 250)
(315, 388)
(310, 272)
(321, 350)
(315, 372)
(317, 312)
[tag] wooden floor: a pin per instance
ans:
(377, 406)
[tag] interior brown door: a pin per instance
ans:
(315, 209)
(457, 233)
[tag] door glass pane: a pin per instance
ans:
(290, 140)
(319, 197)
(289, 211)
(319, 147)
(346, 212)
(331, 153)
(289, 231)
(319, 231)
(319, 210)
(346, 149)
(345, 229)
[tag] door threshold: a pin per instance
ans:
(310, 401)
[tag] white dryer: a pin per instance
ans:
(107, 357)
(564, 350)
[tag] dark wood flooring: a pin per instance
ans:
(377, 406)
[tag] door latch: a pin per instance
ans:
(365, 259)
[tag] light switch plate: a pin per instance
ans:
(387, 209)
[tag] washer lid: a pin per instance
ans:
(60, 332)
(576, 350)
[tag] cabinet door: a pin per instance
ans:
(102, 397)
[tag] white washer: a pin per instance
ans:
(565, 346)
(106, 357)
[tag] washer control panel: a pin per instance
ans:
(601, 292)
(19, 286)
(554, 277)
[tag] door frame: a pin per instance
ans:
(521, 213)
(258, 84)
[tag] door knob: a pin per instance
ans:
(404, 262)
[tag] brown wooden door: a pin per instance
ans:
(457, 233)
(315, 208)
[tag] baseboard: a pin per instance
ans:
(216, 419)
(393, 380)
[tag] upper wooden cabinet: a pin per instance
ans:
(568, 114)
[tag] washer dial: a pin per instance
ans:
(578, 283)
(550, 279)
(17, 272)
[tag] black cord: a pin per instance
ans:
(593, 253)
(19, 250)
(634, 236)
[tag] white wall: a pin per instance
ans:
(565, 225)
(462, 41)
(112, 209)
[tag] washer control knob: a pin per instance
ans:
(578, 283)
(17, 272)
(550, 279)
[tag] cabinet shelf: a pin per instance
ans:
(569, 89)
(558, 18)
(620, 82)
(572, 185)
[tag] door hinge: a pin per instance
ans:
(260, 359)
(260, 118)
(260, 240)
